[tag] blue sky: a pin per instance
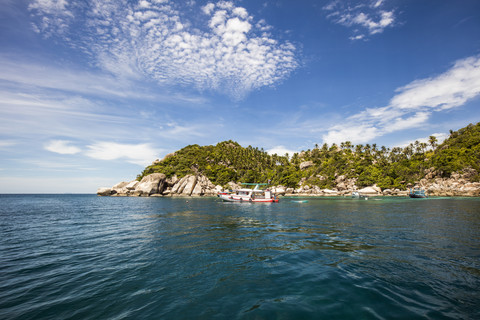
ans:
(93, 91)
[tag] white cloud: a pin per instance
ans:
(448, 90)
(357, 37)
(62, 147)
(54, 16)
(413, 104)
(440, 138)
(377, 3)
(241, 12)
(141, 154)
(208, 8)
(281, 151)
(414, 121)
(362, 17)
(230, 53)
(359, 133)
(58, 7)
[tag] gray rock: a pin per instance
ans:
(306, 164)
(190, 185)
(104, 191)
(132, 185)
(369, 191)
(153, 183)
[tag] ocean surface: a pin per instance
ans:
(89, 257)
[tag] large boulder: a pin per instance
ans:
(193, 185)
(279, 190)
(104, 191)
(157, 184)
(151, 184)
(190, 184)
(171, 181)
(120, 188)
(306, 164)
(206, 186)
(329, 192)
(120, 185)
(232, 185)
(371, 191)
(180, 185)
(132, 185)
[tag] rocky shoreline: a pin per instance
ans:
(157, 185)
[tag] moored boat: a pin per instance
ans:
(417, 193)
(358, 195)
(249, 195)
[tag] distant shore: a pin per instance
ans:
(158, 185)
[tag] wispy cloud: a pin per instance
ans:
(229, 53)
(448, 90)
(52, 113)
(26, 73)
(141, 154)
(365, 18)
(65, 123)
(413, 104)
(7, 143)
(62, 147)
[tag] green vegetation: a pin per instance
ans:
(369, 164)
(459, 152)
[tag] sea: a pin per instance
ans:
(89, 257)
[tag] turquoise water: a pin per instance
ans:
(88, 257)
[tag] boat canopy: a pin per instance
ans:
(249, 190)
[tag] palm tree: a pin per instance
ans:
(433, 141)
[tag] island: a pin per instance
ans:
(450, 168)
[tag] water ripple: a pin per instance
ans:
(85, 257)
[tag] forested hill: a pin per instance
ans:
(368, 164)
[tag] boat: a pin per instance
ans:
(249, 195)
(358, 195)
(417, 193)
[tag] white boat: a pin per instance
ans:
(357, 195)
(249, 195)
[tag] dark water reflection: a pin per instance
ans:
(84, 257)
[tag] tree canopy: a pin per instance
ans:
(369, 164)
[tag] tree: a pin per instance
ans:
(433, 141)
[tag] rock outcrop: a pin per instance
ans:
(458, 185)
(104, 191)
(156, 184)
(153, 183)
